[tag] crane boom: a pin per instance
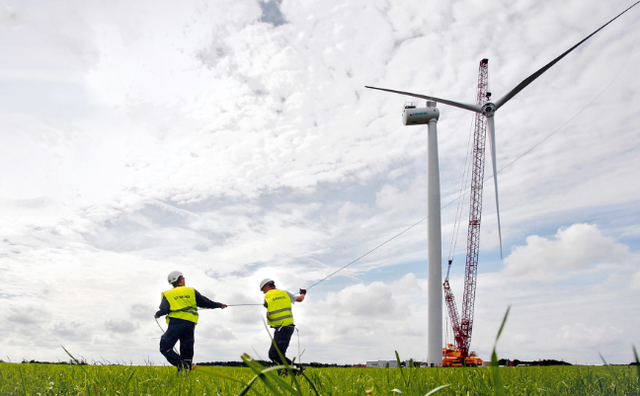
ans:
(462, 327)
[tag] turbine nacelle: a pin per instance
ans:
(414, 115)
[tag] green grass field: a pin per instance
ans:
(49, 379)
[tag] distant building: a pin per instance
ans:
(388, 363)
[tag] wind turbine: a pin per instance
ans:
(429, 115)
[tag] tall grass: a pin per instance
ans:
(101, 379)
(44, 379)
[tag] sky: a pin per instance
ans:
(234, 140)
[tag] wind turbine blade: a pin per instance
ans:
(465, 106)
(492, 143)
(537, 74)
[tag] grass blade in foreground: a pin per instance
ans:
(497, 382)
(211, 371)
(406, 384)
(92, 383)
(635, 353)
(602, 358)
(69, 379)
(272, 374)
(269, 375)
(437, 389)
(266, 375)
(273, 382)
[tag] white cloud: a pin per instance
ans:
(635, 281)
(580, 246)
(387, 314)
(28, 315)
(142, 138)
(120, 326)
(589, 336)
(567, 295)
(373, 302)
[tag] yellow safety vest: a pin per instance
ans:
(182, 302)
(278, 308)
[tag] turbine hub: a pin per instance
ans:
(488, 109)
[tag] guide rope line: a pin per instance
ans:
(452, 250)
(588, 104)
(299, 354)
(488, 177)
(460, 197)
(158, 323)
(372, 250)
(464, 181)
(570, 119)
(238, 305)
(163, 332)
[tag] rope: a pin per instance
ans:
(239, 305)
(449, 203)
(464, 181)
(458, 199)
(374, 249)
(485, 180)
(568, 121)
(158, 323)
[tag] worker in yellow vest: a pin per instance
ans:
(279, 316)
(180, 304)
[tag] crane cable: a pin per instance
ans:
(467, 191)
(458, 199)
(463, 182)
(489, 177)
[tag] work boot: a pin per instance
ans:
(184, 365)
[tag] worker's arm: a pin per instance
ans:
(204, 302)
(165, 308)
(293, 297)
(300, 297)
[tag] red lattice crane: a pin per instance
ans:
(462, 326)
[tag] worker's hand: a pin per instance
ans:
(223, 306)
(303, 291)
(156, 316)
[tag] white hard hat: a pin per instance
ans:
(174, 276)
(264, 282)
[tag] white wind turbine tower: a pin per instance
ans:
(430, 115)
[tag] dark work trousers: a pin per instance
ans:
(281, 336)
(182, 330)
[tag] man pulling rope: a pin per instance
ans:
(180, 304)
